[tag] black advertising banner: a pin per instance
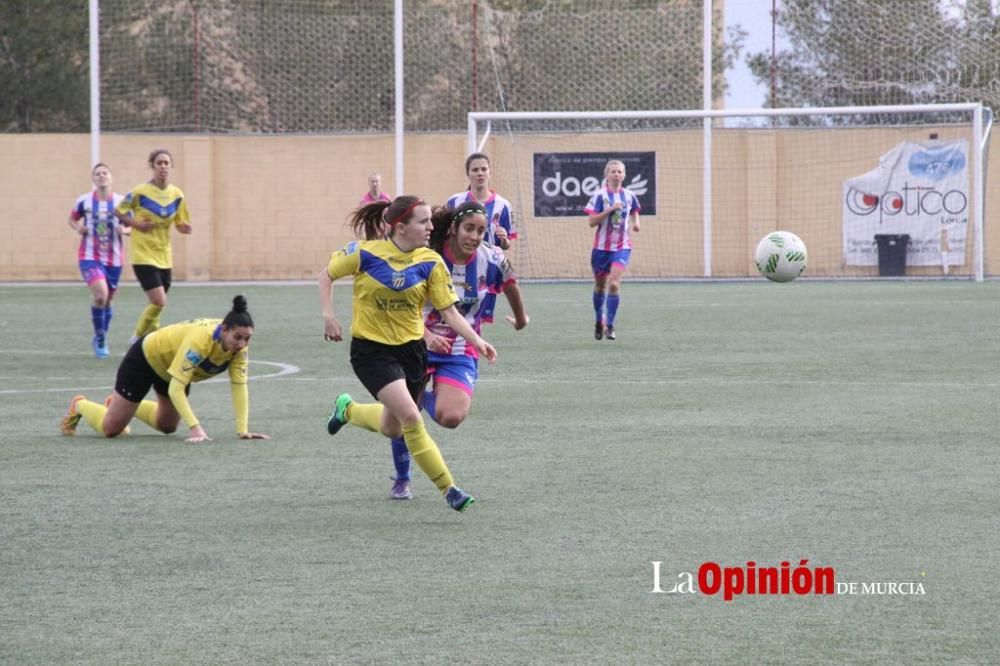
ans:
(564, 182)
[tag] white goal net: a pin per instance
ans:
(871, 190)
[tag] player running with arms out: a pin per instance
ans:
(393, 278)
(169, 360)
(479, 271)
(500, 229)
(612, 210)
(101, 251)
(151, 209)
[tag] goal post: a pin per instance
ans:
(712, 183)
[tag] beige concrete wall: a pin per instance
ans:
(274, 207)
(262, 207)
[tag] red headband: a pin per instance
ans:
(405, 213)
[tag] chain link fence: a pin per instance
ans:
(281, 66)
(322, 66)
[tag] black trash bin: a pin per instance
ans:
(892, 253)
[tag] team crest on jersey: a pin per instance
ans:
(351, 247)
(398, 280)
(192, 357)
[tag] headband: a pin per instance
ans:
(405, 213)
(471, 210)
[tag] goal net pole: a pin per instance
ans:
(95, 83)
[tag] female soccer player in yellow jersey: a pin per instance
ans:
(393, 278)
(170, 360)
(154, 206)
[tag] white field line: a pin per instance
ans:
(284, 370)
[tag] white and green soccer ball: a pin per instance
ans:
(781, 256)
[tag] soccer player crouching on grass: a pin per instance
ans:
(169, 361)
(611, 210)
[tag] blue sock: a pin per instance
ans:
(401, 459)
(430, 405)
(599, 306)
(97, 318)
(107, 319)
(612, 308)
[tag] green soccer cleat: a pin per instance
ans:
(339, 416)
(458, 499)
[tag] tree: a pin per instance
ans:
(637, 54)
(43, 66)
(855, 53)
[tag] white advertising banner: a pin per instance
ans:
(917, 189)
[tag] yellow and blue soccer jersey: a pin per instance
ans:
(391, 287)
(164, 208)
(191, 351)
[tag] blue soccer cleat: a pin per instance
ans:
(339, 416)
(458, 499)
(100, 345)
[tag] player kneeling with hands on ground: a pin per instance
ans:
(169, 360)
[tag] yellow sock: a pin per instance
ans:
(149, 320)
(366, 415)
(147, 413)
(426, 454)
(93, 413)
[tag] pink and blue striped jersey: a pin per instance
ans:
(477, 283)
(612, 234)
(498, 211)
(103, 240)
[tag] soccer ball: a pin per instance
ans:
(781, 256)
